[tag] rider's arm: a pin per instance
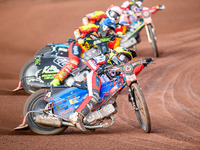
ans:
(95, 63)
(125, 5)
(116, 43)
(77, 33)
(85, 20)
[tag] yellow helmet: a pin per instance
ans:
(123, 55)
(130, 54)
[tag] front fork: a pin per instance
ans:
(148, 36)
(147, 31)
(131, 98)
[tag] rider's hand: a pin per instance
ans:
(146, 61)
(55, 82)
(80, 41)
(119, 34)
(100, 71)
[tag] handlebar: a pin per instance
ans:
(161, 7)
(150, 10)
(146, 61)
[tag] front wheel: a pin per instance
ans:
(152, 36)
(141, 111)
(36, 102)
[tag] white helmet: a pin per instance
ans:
(114, 12)
(138, 2)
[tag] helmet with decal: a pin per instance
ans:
(114, 12)
(107, 27)
(125, 55)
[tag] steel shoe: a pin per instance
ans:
(77, 119)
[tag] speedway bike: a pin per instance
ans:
(47, 110)
(131, 38)
(47, 62)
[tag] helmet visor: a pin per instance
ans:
(123, 58)
(114, 15)
(107, 30)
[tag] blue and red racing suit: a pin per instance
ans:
(94, 82)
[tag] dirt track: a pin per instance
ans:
(171, 87)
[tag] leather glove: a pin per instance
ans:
(146, 61)
(119, 34)
(101, 70)
(80, 41)
(55, 82)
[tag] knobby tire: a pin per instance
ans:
(142, 112)
(36, 102)
(153, 40)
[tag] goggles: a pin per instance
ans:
(123, 58)
(114, 15)
(107, 30)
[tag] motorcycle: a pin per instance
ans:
(47, 62)
(131, 38)
(47, 110)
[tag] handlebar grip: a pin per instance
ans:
(108, 75)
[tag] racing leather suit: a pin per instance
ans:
(128, 10)
(75, 50)
(95, 18)
(93, 84)
(94, 81)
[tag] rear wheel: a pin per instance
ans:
(36, 102)
(152, 35)
(44, 50)
(28, 73)
(142, 111)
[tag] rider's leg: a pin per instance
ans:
(94, 84)
(74, 52)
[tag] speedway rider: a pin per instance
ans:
(94, 80)
(128, 11)
(77, 47)
(128, 17)
(113, 12)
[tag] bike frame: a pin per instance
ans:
(146, 16)
(62, 102)
(66, 101)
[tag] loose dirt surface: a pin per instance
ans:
(171, 86)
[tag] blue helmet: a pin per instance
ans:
(107, 27)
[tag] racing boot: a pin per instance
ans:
(77, 119)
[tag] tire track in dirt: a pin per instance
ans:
(172, 81)
(171, 86)
(177, 105)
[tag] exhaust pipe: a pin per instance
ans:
(35, 84)
(40, 85)
(58, 122)
(51, 121)
(48, 120)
